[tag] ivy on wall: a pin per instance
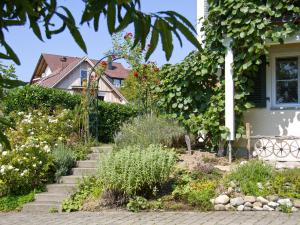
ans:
(193, 90)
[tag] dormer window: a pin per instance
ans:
(83, 77)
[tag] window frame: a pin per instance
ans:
(274, 80)
(81, 70)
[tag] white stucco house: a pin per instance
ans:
(275, 121)
(71, 74)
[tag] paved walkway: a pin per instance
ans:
(180, 218)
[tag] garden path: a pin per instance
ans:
(157, 218)
(56, 193)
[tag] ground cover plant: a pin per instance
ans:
(15, 202)
(249, 174)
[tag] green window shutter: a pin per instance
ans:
(258, 96)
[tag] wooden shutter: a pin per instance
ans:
(258, 96)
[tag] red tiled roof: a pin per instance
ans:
(55, 64)
(58, 74)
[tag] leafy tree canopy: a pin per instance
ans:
(119, 14)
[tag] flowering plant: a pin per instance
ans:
(41, 126)
(25, 167)
(29, 164)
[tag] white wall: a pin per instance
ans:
(271, 121)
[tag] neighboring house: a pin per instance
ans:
(277, 98)
(71, 74)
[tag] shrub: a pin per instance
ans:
(135, 171)
(249, 174)
(36, 97)
(25, 168)
(110, 117)
(10, 203)
(40, 125)
(148, 130)
(64, 160)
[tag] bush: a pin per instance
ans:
(249, 174)
(10, 203)
(25, 168)
(36, 97)
(135, 171)
(40, 125)
(64, 160)
(110, 117)
(148, 130)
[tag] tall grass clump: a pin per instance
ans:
(64, 160)
(249, 174)
(149, 129)
(136, 171)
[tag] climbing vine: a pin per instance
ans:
(193, 90)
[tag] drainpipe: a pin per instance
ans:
(229, 96)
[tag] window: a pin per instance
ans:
(287, 76)
(83, 76)
(117, 82)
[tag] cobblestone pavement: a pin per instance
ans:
(180, 218)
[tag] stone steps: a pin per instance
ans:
(50, 197)
(57, 193)
(44, 207)
(72, 179)
(84, 171)
(87, 164)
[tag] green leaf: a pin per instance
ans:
(127, 19)
(166, 37)
(111, 16)
(12, 55)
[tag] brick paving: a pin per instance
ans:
(150, 218)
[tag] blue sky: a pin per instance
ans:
(29, 48)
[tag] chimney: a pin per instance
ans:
(63, 59)
(110, 67)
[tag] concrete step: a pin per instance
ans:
(93, 156)
(101, 149)
(61, 188)
(50, 197)
(70, 179)
(45, 207)
(84, 171)
(87, 164)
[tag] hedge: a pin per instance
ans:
(110, 115)
(35, 97)
(110, 118)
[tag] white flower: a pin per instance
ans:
(2, 169)
(4, 153)
(46, 148)
(31, 133)
(10, 167)
(20, 113)
(60, 138)
(40, 162)
(34, 165)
